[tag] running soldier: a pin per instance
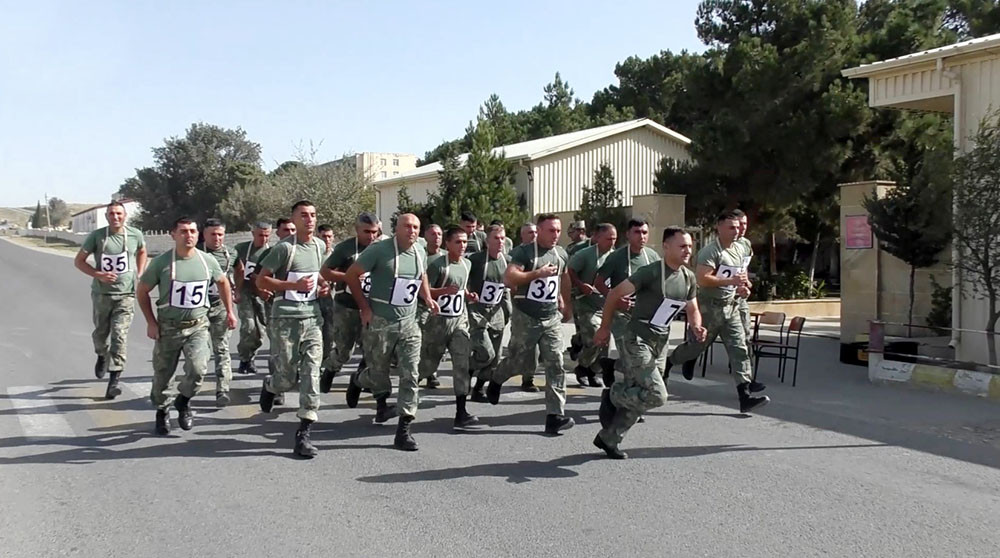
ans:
(588, 302)
(578, 236)
(249, 301)
(291, 271)
(218, 326)
(720, 274)
(433, 236)
(477, 238)
(285, 229)
(180, 325)
(661, 291)
(528, 234)
(396, 269)
(346, 318)
(448, 278)
(542, 301)
(487, 315)
(325, 233)
(119, 257)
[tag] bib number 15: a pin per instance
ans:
(188, 294)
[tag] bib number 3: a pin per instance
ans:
(544, 290)
(404, 291)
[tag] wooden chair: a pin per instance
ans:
(787, 350)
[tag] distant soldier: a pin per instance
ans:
(218, 325)
(541, 303)
(119, 257)
(477, 238)
(433, 237)
(291, 270)
(249, 301)
(285, 229)
(508, 244)
(720, 275)
(661, 290)
(325, 233)
(182, 276)
(588, 302)
(578, 237)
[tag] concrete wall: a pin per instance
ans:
(874, 285)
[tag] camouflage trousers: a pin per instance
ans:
(253, 326)
(190, 338)
(619, 328)
(451, 334)
(387, 342)
(722, 319)
(642, 388)
(218, 331)
(587, 324)
(345, 325)
(296, 348)
(112, 317)
(745, 317)
(326, 308)
(485, 337)
(526, 335)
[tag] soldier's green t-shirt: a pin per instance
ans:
(622, 262)
(226, 259)
(747, 252)
(250, 257)
(182, 283)
(585, 264)
(539, 298)
(395, 276)
(477, 243)
(725, 262)
(486, 280)
(110, 255)
(661, 292)
(443, 272)
(575, 247)
(344, 254)
(290, 260)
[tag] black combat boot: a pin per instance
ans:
(478, 395)
(556, 423)
(463, 420)
(114, 390)
(185, 418)
(279, 399)
(612, 452)
(493, 392)
(582, 373)
(594, 380)
(606, 412)
(756, 386)
(326, 380)
(353, 391)
(574, 348)
(246, 367)
(162, 422)
(687, 369)
(528, 385)
(383, 411)
(303, 446)
(266, 398)
(747, 401)
(433, 382)
(607, 370)
(404, 440)
(221, 399)
(99, 369)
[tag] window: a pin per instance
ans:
(383, 162)
(384, 174)
(395, 162)
(395, 173)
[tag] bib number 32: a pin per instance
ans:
(544, 289)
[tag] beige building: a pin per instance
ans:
(379, 166)
(963, 80)
(551, 172)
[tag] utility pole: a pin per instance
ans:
(48, 220)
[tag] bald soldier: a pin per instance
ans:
(542, 302)
(398, 275)
(662, 289)
(182, 276)
(119, 258)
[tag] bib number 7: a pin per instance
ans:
(544, 290)
(666, 312)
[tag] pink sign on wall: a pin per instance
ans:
(857, 233)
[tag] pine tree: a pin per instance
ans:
(38, 220)
(603, 202)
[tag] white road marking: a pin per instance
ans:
(34, 424)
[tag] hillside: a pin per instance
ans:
(20, 215)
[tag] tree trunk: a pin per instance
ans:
(773, 257)
(812, 264)
(909, 315)
(991, 324)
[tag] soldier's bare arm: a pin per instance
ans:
(142, 296)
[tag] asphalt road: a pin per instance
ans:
(834, 467)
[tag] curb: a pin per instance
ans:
(51, 251)
(934, 378)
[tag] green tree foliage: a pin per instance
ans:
(602, 203)
(976, 226)
(482, 183)
(58, 212)
(193, 174)
(38, 218)
(405, 204)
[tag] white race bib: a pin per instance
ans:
(727, 272)
(248, 269)
(298, 296)
(452, 305)
(491, 293)
(544, 289)
(666, 313)
(366, 284)
(117, 263)
(188, 294)
(746, 264)
(404, 291)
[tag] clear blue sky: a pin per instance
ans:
(87, 88)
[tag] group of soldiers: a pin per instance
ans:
(405, 300)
